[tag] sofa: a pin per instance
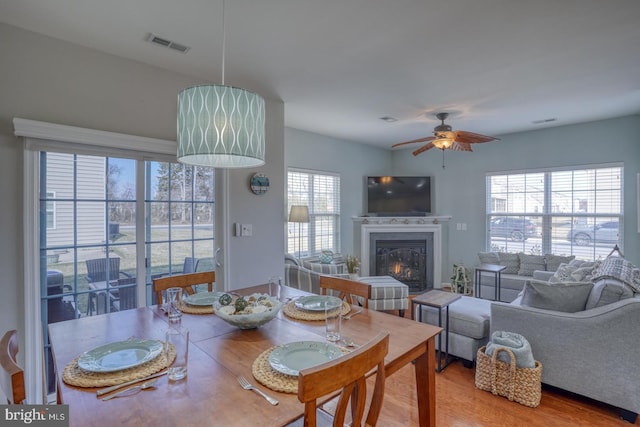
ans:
(588, 346)
(520, 267)
(387, 294)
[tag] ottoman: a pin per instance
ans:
(387, 293)
(469, 321)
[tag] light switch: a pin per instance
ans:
(247, 230)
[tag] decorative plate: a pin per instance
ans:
(202, 298)
(120, 355)
(291, 358)
(317, 302)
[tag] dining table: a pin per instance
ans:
(219, 353)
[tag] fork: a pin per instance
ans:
(124, 392)
(247, 386)
(350, 315)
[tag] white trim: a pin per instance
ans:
(34, 369)
(436, 229)
(55, 132)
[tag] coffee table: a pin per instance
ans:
(439, 300)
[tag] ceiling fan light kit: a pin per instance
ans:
(444, 138)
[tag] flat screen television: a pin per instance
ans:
(399, 195)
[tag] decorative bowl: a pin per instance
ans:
(260, 309)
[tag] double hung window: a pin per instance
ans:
(574, 211)
(320, 192)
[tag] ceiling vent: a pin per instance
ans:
(167, 43)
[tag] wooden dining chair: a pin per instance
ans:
(347, 374)
(186, 281)
(347, 288)
(12, 375)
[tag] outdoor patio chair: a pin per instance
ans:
(97, 275)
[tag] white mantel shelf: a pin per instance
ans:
(402, 219)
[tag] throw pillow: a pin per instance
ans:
(574, 271)
(607, 291)
(554, 261)
(564, 296)
(530, 263)
(618, 268)
(489, 258)
(511, 261)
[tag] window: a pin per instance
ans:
(320, 191)
(564, 212)
(51, 210)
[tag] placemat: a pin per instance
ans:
(196, 309)
(269, 377)
(73, 375)
(294, 312)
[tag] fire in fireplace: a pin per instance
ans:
(404, 260)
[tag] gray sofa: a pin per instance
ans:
(520, 267)
(584, 333)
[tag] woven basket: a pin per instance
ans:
(521, 385)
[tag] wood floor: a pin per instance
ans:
(460, 404)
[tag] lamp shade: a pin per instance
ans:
(220, 126)
(299, 213)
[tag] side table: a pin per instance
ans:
(497, 275)
(439, 300)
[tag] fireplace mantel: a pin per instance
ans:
(411, 225)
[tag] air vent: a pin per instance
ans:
(167, 43)
(388, 119)
(537, 122)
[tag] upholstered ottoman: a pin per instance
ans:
(469, 321)
(387, 293)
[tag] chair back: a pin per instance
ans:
(190, 265)
(186, 281)
(348, 374)
(97, 269)
(347, 289)
(12, 375)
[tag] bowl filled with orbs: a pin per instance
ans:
(246, 312)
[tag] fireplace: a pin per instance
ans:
(410, 253)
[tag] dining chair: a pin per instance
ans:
(12, 375)
(349, 375)
(347, 288)
(186, 281)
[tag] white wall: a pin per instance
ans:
(53, 81)
(353, 161)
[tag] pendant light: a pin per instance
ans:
(221, 126)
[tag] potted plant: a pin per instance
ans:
(460, 280)
(353, 266)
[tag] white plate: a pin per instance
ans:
(120, 355)
(317, 302)
(291, 358)
(202, 298)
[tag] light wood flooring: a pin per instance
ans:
(460, 404)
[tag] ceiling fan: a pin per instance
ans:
(444, 138)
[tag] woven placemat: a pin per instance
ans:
(269, 377)
(73, 375)
(294, 312)
(196, 309)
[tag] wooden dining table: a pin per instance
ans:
(218, 354)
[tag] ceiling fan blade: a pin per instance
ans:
(428, 138)
(424, 148)
(460, 146)
(472, 138)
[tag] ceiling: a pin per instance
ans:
(340, 65)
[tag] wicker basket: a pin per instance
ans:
(521, 385)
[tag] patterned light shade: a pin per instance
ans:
(220, 126)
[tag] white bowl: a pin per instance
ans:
(251, 320)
